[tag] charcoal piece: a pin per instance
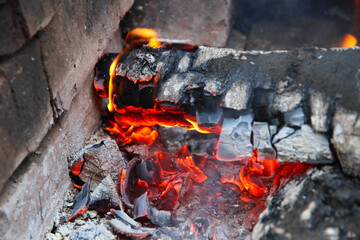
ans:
(146, 95)
(174, 192)
(184, 63)
(239, 94)
(127, 181)
(92, 231)
(262, 104)
(304, 145)
(262, 141)
(81, 201)
(160, 217)
(208, 111)
(103, 65)
(139, 65)
(105, 196)
(295, 117)
(122, 228)
(102, 159)
(200, 159)
(171, 89)
(287, 97)
(283, 133)
(319, 106)
(166, 160)
(150, 171)
(235, 138)
(125, 218)
(202, 225)
(101, 85)
(346, 140)
(141, 207)
(127, 92)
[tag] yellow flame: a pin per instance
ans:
(196, 126)
(154, 43)
(140, 33)
(110, 105)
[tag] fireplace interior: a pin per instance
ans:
(191, 120)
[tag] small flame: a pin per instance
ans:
(140, 33)
(196, 126)
(348, 40)
(154, 43)
(112, 71)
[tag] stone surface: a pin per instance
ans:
(304, 145)
(21, 20)
(235, 138)
(202, 23)
(12, 35)
(324, 205)
(262, 141)
(71, 48)
(36, 14)
(25, 110)
(102, 159)
(319, 106)
(346, 140)
(236, 40)
(33, 195)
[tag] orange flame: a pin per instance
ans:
(196, 126)
(348, 40)
(112, 71)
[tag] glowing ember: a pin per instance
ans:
(165, 178)
(76, 167)
(186, 164)
(144, 135)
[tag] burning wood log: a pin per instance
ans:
(201, 88)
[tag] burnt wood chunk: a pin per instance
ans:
(346, 140)
(125, 218)
(102, 159)
(105, 196)
(81, 201)
(224, 70)
(235, 138)
(262, 141)
(320, 107)
(304, 145)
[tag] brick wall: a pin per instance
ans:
(48, 108)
